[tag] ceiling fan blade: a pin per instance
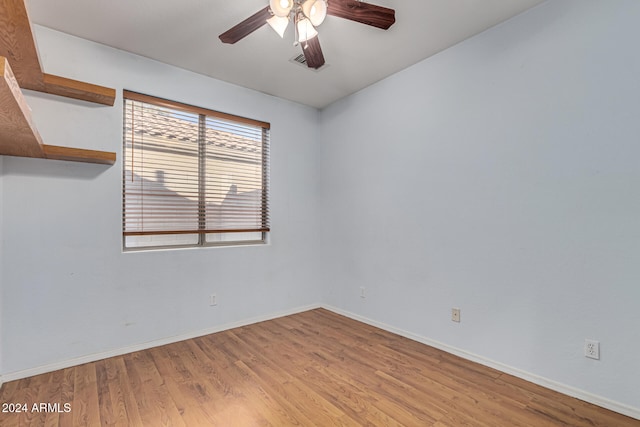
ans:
(246, 27)
(365, 13)
(313, 53)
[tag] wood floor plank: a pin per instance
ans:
(123, 400)
(457, 389)
(67, 393)
(154, 401)
(108, 412)
(51, 393)
(17, 414)
(361, 357)
(290, 384)
(187, 389)
(315, 368)
(455, 385)
(86, 409)
(359, 400)
(286, 392)
(260, 392)
(248, 400)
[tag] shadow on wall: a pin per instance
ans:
(55, 169)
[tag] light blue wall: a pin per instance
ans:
(500, 176)
(69, 291)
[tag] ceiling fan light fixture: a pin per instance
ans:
(305, 30)
(315, 10)
(306, 15)
(279, 24)
(281, 8)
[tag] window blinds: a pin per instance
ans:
(189, 170)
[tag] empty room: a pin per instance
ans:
(320, 212)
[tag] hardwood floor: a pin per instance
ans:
(310, 369)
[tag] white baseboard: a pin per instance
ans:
(63, 364)
(536, 379)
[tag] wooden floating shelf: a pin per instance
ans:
(18, 135)
(18, 45)
(18, 50)
(79, 155)
(69, 88)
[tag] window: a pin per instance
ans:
(192, 177)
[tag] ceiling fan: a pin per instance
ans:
(306, 15)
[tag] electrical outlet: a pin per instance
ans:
(213, 300)
(362, 292)
(455, 314)
(592, 349)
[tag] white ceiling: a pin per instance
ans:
(185, 33)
